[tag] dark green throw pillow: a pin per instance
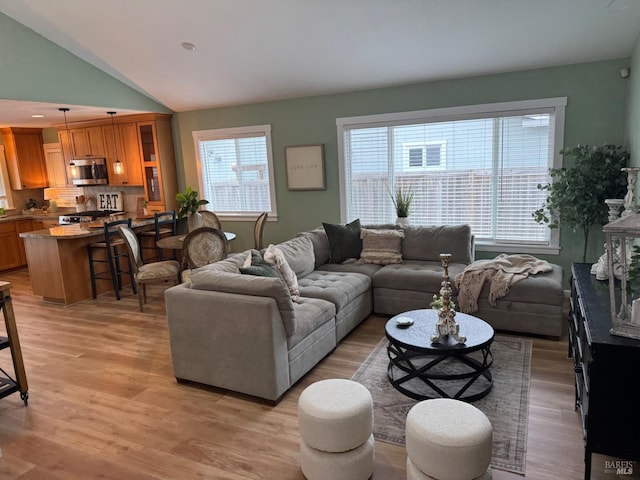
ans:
(259, 267)
(344, 241)
(260, 271)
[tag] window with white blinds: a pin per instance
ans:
(477, 165)
(236, 170)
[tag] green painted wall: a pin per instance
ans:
(35, 69)
(633, 113)
(595, 114)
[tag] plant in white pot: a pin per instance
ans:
(189, 204)
(402, 201)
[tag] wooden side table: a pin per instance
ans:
(10, 385)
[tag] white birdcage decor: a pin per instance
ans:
(624, 265)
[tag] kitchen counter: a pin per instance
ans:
(84, 229)
(58, 260)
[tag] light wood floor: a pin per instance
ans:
(103, 403)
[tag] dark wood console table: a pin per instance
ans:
(607, 369)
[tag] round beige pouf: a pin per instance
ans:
(413, 473)
(356, 464)
(448, 439)
(335, 415)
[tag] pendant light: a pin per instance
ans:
(72, 166)
(117, 165)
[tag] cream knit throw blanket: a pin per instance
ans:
(503, 271)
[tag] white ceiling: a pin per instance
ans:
(257, 50)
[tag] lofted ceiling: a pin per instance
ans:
(249, 51)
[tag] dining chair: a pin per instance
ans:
(164, 226)
(210, 219)
(258, 230)
(203, 246)
(111, 252)
(162, 270)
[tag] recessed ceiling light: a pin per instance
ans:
(37, 116)
(188, 46)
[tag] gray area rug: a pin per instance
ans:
(507, 405)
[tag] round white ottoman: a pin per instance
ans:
(414, 473)
(448, 439)
(356, 464)
(335, 415)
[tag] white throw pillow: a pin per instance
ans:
(274, 256)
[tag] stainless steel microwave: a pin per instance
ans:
(89, 171)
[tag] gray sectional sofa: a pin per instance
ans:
(245, 333)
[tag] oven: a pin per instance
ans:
(91, 171)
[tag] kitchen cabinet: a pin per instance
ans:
(158, 163)
(25, 157)
(87, 142)
(23, 226)
(9, 249)
(121, 143)
(144, 144)
(57, 171)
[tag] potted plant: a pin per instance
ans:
(576, 196)
(402, 201)
(188, 206)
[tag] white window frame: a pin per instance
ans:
(239, 132)
(6, 184)
(407, 146)
(464, 113)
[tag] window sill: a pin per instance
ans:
(517, 248)
(249, 217)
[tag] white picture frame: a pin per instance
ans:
(305, 167)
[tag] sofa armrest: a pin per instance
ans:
(228, 340)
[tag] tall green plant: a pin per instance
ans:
(576, 194)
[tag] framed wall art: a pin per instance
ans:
(305, 167)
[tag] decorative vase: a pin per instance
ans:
(402, 221)
(194, 220)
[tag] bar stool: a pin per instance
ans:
(112, 250)
(164, 226)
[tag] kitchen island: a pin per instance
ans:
(58, 261)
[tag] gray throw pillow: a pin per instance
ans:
(259, 267)
(344, 240)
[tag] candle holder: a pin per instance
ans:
(446, 325)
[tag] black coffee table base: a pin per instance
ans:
(441, 374)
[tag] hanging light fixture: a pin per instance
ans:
(72, 166)
(117, 165)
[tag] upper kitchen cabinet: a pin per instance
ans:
(158, 163)
(122, 144)
(25, 157)
(56, 166)
(87, 142)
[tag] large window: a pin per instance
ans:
(236, 170)
(479, 165)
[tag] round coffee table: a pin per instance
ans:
(422, 370)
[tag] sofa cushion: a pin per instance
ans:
(382, 247)
(320, 242)
(344, 241)
(311, 313)
(274, 256)
(427, 243)
(203, 279)
(299, 255)
(339, 288)
(416, 275)
(353, 266)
